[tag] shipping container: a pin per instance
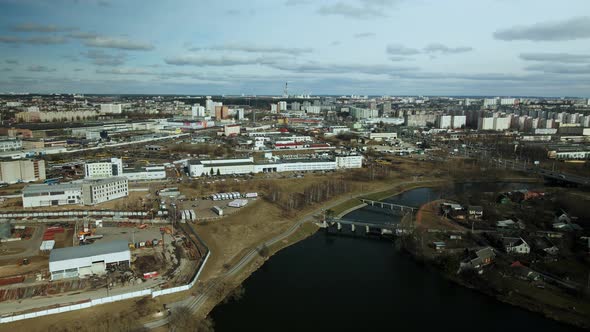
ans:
(217, 210)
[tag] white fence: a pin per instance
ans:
(74, 214)
(109, 299)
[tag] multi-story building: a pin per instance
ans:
(197, 111)
(490, 102)
(111, 109)
(231, 130)
(103, 169)
(312, 109)
(444, 121)
(363, 113)
(221, 112)
(102, 190)
(22, 171)
(10, 145)
(295, 106)
(282, 105)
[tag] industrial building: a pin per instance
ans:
(10, 145)
(87, 192)
(38, 195)
(103, 190)
(110, 109)
(88, 260)
(247, 165)
(22, 171)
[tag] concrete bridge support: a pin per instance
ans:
(367, 229)
(353, 227)
(339, 226)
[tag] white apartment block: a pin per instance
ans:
(282, 106)
(111, 108)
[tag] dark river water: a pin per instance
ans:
(337, 283)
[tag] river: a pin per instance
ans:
(332, 283)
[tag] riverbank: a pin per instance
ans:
(497, 280)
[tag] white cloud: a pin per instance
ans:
(571, 29)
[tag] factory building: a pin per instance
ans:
(145, 173)
(247, 165)
(88, 260)
(10, 145)
(38, 195)
(87, 192)
(103, 190)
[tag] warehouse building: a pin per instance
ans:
(87, 192)
(92, 259)
(38, 195)
(247, 165)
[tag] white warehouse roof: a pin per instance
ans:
(82, 256)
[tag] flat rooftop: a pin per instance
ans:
(96, 249)
(43, 188)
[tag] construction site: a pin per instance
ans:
(161, 256)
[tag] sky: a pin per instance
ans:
(337, 47)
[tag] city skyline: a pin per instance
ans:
(375, 47)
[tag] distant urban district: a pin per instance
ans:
(162, 206)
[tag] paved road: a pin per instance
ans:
(195, 302)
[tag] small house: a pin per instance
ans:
(439, 245)
(516, 245)
(479, 259)
(475, 211)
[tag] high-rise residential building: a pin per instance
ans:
(221, 112)
(197, 111)
(274, 108)
(295, 106)
(110, 108)
(282, 106)
(490, 102)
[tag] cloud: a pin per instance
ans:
(124, 71)
(362, 9)
(399, 58)
(232, 12)
(398, 49)
(78, 69)
(103, 3)
(297, 2)
(560, 69)
(443, 49)
(101, 58)
(571, 29)
(11, 61)
(221, 61)
(6, 69)
(46, 40)
(35, 40)
(256, 49)
(335, 43)
(40, 69)
(95, 40)
(321, 68)
(33, 27)
(365, 35)
(556, 57)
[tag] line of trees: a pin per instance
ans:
(312, 194)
